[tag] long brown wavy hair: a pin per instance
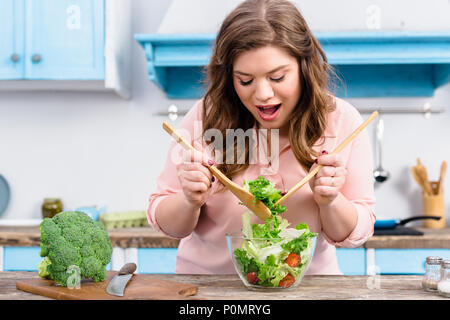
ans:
(255, 24)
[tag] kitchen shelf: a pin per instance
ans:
(426, 110)
(368, 63)
(173, 112)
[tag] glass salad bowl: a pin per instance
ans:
(272, 263)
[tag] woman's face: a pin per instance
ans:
(267, 82)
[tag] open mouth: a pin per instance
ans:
(269, 110)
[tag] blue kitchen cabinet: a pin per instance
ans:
(405, 261)
(21, 258)
(157, 260)
(25, 259)
(11, 39)
(352, 261)
(64, 39)
(163, 260)
(55, 40)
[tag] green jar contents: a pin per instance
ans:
(51, 206)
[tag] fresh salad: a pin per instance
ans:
(271, 254)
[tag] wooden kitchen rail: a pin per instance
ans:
(230, 287)
(147, 237)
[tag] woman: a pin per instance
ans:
(267, 73)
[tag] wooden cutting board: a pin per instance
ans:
(140, 287)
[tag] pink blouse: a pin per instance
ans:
(205, 250)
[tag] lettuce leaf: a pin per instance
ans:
(265, 191)
(299, 244)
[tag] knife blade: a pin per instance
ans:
(116, 286)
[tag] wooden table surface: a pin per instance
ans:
(147, 237)
(230, 287)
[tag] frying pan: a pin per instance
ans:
(392, 223)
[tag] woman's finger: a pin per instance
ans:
(194, 186)
(329, 171)
(197, 198)
(196, 176)
(334, 182)
(326, 191)
(334, 160)
(195, 166)
(326, 171)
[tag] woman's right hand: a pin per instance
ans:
(194, 176)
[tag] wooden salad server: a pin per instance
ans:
(309, 176)
(258, 207)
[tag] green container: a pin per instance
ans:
(126, 219)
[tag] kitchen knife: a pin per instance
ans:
(391, 224)
(117, 285)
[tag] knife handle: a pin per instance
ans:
(128, 268)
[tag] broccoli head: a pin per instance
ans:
(72, 238)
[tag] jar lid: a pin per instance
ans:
(445, 263)
(434, 260)
(52, 200)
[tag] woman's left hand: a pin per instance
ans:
(328, 182)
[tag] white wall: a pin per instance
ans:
(95, 148)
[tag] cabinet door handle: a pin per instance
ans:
(15, 57)
(36, 58)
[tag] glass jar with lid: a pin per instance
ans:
(432, 273)
(50, 207)
(444, 284)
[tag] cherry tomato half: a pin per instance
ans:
(293, 260)
(287, 281)
(252, 278)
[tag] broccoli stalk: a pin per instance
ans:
(72, 238)
(43, 268)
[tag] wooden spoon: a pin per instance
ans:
(441, 176)
(417, 176)
(308, 177)
(258, 207)
(424, 175)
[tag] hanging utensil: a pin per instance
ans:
(258, 207)
(380, 174)
(308, 177)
